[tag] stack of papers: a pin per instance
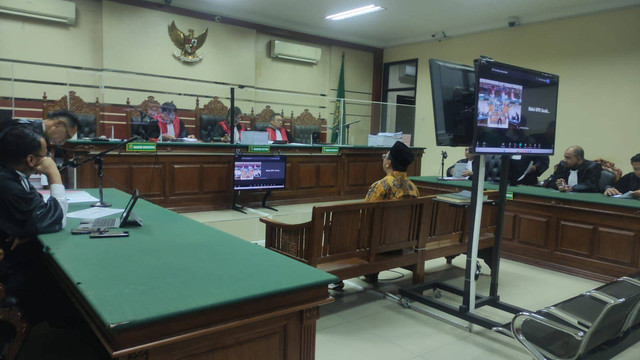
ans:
(73, 196)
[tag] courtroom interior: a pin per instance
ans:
(239, 140)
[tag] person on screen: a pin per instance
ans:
(222, 131)
(23, 215)
(468, 159)
(574, 173)
(167, 126)
(395, 185)
(629, 182)
(57, 128)
(275, 129)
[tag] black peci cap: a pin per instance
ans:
(401, 154)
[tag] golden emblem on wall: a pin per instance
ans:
(187, 43)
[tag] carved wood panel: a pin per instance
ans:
(215, 178)
(186, 179)
(115, 175)
(533, 230)
(575, 238)
(616, 245)
(356, 173)
(508, 227)
(307, 175)
(328, 175)
(149, 179)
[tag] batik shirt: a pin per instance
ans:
(392, 187)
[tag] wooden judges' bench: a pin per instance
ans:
(588, 235)
(198, 176)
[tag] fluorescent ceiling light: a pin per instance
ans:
(355, 12)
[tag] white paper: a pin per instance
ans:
(72, 196)
(93, 213)
(526, 171)
(627, 195)
(459, 168)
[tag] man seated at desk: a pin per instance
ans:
(468, 161)
(525, 169)
(575, 174)
(167, 126)
(629, 182)
(276, 131)
(222, 131)
(57, 128)
(23, 215)
(395, 185)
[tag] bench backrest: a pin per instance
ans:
(364, 229)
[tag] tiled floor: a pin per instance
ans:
(361, 324)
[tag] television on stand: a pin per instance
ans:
(258, 173)
(516, 110)
(453, 94)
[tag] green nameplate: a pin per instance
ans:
(146, 146)
(259, 149)
(509, 195)
(330, 150)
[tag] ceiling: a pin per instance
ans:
(403, 21)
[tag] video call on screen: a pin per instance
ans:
(516, 110)
(259, 173)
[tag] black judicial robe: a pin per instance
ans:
(629, 182)
(588, 177)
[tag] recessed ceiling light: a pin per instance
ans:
(355, 12)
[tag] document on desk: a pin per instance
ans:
(73, 196)
(627, 195)
(93, 213)
(459, 168)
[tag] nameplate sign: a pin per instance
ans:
(330, 150)
(151, 146)
(509, 195)
(259, 149)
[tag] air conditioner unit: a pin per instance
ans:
(48, 10)
(290, 51)
(407, 74)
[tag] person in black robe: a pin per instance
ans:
(534, 166)
(587, 173)
(629, 182)
(23, 215)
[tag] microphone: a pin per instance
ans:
(444, 155)
(66, 164)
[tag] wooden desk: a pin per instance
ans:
(198, 176)
(588, 235)
(178, 289)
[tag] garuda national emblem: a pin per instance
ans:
(187, 43)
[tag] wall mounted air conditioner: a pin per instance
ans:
(290, 51)
(48, 10)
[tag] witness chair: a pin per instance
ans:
(88, 114)
(574, 327)
(208, 117)
(138, 117)
(306, 128)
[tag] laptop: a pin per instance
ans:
(126, 218)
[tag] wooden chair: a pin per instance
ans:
(137, 120)
(11, 314)
(608, 165)
(261, 121)
(208, 116)
(88, 114)
(306, 128)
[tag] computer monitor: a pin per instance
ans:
(259, 172)
(516, 110)
(453, 94)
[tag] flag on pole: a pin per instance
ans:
(339, 113)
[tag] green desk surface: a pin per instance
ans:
(225, 145)
(596, 198)
(171, 266)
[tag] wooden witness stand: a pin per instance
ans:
(470, 300)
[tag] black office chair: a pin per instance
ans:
(207, 125)
(87, 127)
(607, 178)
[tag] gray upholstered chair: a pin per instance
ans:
(88, 114)
(305, 128)
(208, 117)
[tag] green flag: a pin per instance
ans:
(339, 113)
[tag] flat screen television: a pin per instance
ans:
(259, 172)
(453, 94)
(515, 110)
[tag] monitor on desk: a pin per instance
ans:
(259, 172)
(515, 110)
